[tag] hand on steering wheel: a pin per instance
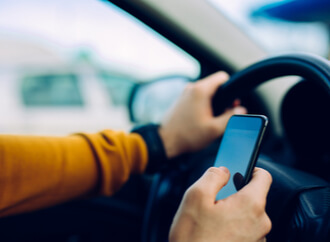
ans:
(191, 125)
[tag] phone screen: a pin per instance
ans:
(238, 150)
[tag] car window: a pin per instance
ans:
(51, 90)
(281, 26)
(68, 66)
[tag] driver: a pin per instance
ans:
(38, 172)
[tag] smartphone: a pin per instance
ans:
(239, 150)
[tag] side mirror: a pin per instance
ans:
(149, 101)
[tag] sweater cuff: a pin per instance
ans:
(156, 151)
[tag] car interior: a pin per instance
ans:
(291, 89)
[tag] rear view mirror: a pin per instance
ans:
(150, 101)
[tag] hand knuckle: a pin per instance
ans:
(258, 207)
(267, 175)
(196, 89)
(216, 171)
(195, 198)
(194, 193)
(267, 225)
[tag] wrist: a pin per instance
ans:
(156, 151)
(169, 141)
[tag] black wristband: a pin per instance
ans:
(156, 151)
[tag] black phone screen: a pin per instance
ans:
(238, 150)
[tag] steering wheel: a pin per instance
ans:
(169, 186)
(310, 67)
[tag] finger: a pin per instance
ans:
(214, 81)
(213, 180)
(259, 184)
(221, 121)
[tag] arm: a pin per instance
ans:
(37, 172)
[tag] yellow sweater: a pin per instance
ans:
(37, 172)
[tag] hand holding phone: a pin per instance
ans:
(239, 150)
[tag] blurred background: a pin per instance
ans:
(282, 26)
(70, 66)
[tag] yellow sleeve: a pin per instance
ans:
(37, 172)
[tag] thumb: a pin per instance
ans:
(214, 81)
(221, 121)
(213, 180)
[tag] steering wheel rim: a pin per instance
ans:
(308, 66)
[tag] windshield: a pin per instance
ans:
(70, 66)
(282, 26)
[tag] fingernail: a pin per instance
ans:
(224, 169)
(240, 110)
